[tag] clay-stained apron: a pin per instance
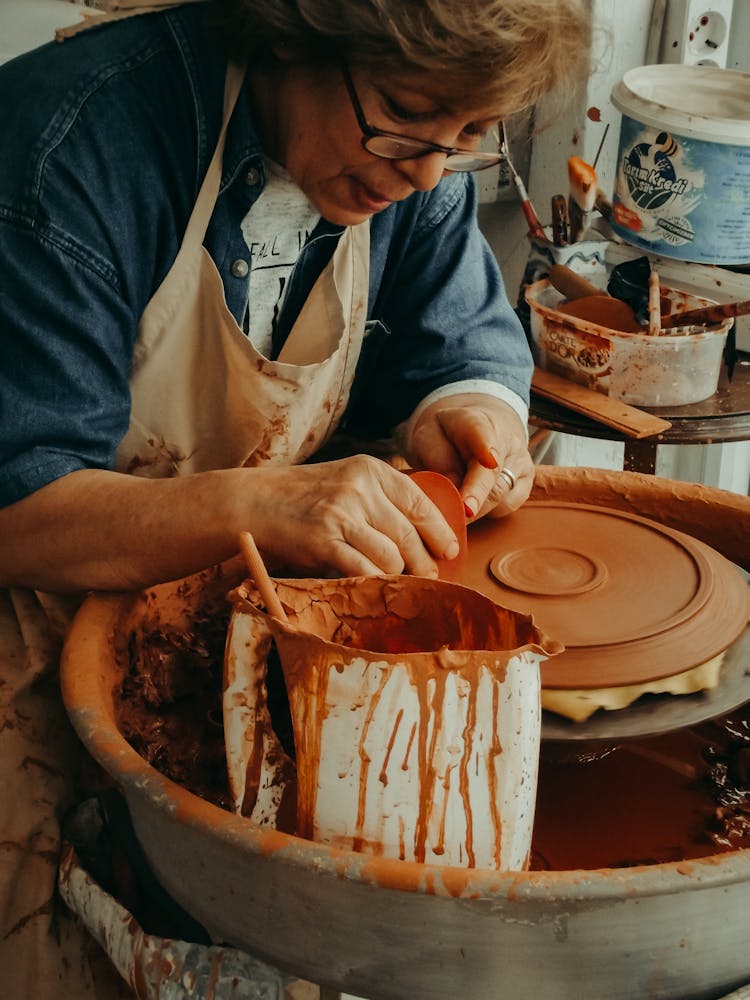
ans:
(202, 396)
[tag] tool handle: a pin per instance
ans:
(706, 315)
(570, 284)
(560, 221)
(536, 229)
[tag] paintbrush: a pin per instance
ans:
(536, 229)
(706, 315)
(582, 195)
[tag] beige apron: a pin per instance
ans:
(203, 397)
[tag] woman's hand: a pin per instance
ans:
(355, 516)
(475, 440)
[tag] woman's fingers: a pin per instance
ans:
(484, 441)
(472, 433)
(355, 516)
(366, 550)
(498, 491)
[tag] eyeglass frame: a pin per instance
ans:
(373, 132)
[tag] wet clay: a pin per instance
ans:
(168, 700)
(632, 601)
(605, 311)
(682, 795)
(679, 796)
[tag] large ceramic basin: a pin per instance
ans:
(388, 929)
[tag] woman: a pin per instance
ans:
(226, 232)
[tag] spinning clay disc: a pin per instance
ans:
(633, 601)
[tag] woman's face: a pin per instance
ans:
(311, 128)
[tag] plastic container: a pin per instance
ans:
(666, 371)
(682, 187)
(671, 370)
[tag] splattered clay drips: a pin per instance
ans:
(416, 718)
(679, 796)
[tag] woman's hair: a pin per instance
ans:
(513, 51)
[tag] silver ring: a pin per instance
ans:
(509, 477)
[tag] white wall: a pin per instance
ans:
(24, 24)
(738, 56)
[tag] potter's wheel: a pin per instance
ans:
(632, 600)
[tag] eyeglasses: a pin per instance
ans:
(392, 146)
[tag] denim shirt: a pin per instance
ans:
(105, 141)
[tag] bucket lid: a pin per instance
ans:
(704, 102)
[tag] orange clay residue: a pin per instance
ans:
(376, 672)
(627, 218)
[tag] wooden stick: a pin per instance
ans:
(259, 573)
(626, 419)
(654, 303)
(571, 284)
(706, 315)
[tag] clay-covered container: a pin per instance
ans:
(416, 713)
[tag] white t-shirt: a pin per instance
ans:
(275, 230)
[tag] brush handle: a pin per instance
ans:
(706, 315)
(536, 229)
(570, 284)
(560, 221)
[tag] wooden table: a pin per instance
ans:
(723, 417)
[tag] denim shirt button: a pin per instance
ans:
(240, 268)
(252, 177)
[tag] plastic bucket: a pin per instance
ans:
(682, 186)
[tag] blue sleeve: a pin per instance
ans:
(88, 226)
(64, 398)
(442, 307)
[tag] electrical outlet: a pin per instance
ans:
(696, 32)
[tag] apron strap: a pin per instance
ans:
(209, 191)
